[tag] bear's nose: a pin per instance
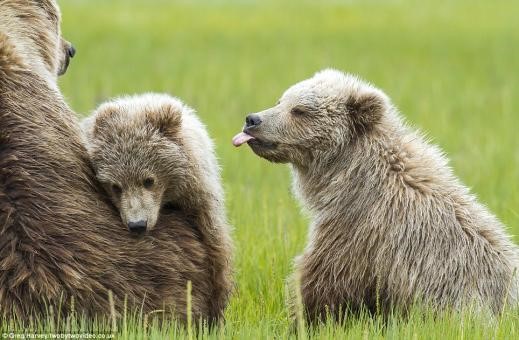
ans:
(252, 120)
(71, 51)
(137, 227)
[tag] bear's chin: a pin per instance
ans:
(269, 151)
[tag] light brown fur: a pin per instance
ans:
(389, 218)
(60, 237)
(35, 34)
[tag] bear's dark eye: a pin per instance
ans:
(148, 183)
(298, 111)
(116, 189)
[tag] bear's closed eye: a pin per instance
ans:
(298, 111)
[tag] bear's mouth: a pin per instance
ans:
(244, 137)
(259, 143)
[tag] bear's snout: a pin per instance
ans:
(71, 51)
(138, 226)
(252, 120)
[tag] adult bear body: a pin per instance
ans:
(60, 238)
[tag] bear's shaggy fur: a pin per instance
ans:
(153, 155)
(60, 237)
(389, 218)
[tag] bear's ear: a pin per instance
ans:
(167, 120)
(102, 120)
(366, 109)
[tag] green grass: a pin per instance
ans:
(450, 66)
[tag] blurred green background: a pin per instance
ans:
(450, 66)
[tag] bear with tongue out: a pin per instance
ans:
(241, 138)
(391, 224)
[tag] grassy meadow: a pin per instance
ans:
(450, 66)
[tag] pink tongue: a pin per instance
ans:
(241, 138)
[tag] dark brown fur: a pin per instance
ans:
(60, 238)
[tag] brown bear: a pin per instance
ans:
(391, 224)
(153, 155)
(60, 236)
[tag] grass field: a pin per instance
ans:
(450, 66)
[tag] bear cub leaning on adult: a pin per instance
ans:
(390, 221)
(153, 156)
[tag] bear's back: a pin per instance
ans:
(60, 238)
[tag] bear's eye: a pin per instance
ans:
(148, 183)
(298, 111)
(116, 189)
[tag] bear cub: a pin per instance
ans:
(391, 225)
(155, 159)
(137, 151)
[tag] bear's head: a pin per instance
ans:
(33, 27)
(136, 150)
(320, 114)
